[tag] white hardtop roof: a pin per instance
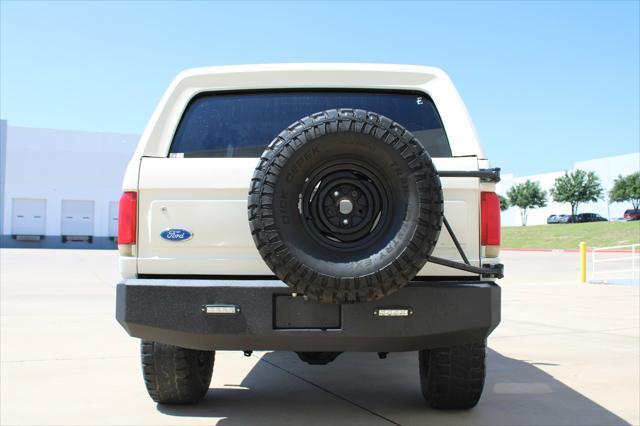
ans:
(432, 81)
(312, 67)
(308, 75)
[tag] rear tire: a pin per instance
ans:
(453, 377)
(175, 375)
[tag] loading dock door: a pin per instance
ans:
(29, 216)
(77, 218)
(113, 218)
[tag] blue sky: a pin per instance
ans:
(547, 83)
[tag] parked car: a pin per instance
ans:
(632, 214)
(552, 219)
(565, 218)
(336, 248)
(590, 217)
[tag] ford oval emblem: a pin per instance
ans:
(176, 234)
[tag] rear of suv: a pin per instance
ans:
(314, 208)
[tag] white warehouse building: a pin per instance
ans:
(60, 188)
(607, 169)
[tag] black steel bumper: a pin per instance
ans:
(171, 311)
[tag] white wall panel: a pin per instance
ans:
(28, 216)
(113, 219)
(78, 218)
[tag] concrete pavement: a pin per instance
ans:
(565, 353)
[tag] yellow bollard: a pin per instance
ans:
(583, 262)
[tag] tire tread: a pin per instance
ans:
(453, 377)
(172, 375)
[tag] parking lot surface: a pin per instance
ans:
(565, 353)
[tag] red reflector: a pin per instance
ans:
(127, 218)
(490, 219)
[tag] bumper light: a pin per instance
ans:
(221, 309)
(392, 312)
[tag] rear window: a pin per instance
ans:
(243, 124)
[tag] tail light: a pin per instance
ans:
(127, 213)
(490, 223)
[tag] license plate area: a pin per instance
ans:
(296, 313)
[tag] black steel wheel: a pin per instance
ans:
(345, 206)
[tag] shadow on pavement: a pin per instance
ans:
(359, 388)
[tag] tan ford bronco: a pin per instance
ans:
(313, 208)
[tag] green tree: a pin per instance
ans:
(504, 203)
(527, 195)
(576, 187)
(626, 188)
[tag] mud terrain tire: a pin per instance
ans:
(453, 377)
(345, 206)
(175, 375)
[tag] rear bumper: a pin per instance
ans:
(170, 311)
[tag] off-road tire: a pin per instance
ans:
(407, 232)
(453, 377)
(175, 375)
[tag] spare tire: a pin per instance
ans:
(345, 206)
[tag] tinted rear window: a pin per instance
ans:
(243, 124)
